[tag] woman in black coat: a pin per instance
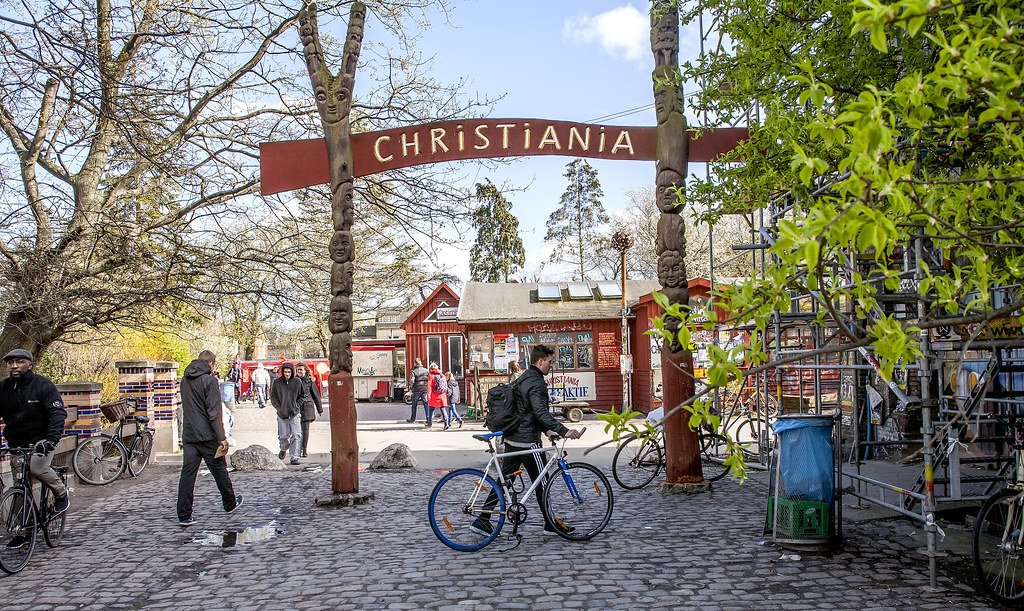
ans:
(309, 400)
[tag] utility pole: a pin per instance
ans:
(622, 241)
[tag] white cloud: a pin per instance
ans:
(622, 32)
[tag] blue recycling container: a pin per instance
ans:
(805, 456)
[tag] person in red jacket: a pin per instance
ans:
(437, 395)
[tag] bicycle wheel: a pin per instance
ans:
(141, 448)
(713, 452)
(18, 535)
(579, 501)
(998, 545)
(99, 460)
(53, 525)
(637, 462)
(457, 502)
(754, 430)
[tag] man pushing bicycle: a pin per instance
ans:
(33, 413)
(535, 418)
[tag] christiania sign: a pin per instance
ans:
(295, 164)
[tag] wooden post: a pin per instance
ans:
(334, 102)
(682, 454)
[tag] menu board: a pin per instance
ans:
(607, 351)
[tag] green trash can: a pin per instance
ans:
(471, 411)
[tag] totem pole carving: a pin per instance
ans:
(333, 95)
(683, 462)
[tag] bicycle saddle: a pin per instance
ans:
(486, 436)
(142, 419)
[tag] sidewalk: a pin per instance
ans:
(279, 551)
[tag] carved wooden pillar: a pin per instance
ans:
(681, 448)
(334, 102)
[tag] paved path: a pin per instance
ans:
(126, 551)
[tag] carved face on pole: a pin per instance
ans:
(671, 269)
(342, 278)
(340, 318)
(341, 352)
(342, 247)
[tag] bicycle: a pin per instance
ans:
(21, 517)
(999, 532)
(640, 458)
(103, 458)
(578, 498)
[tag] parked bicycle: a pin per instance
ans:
(999, 531)
(22, 518)
(640, 458)
(578, 499)
(103, 458)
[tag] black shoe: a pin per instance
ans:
(281, 454)
(295, 461)
(411, 420)
(426, 426)
(481, 527)
(61, 504)
(187, 521)
(16, 542)
(238, 503)
(446, 427)
(460, 424)
(304, 454)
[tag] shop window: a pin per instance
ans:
(572, 350)
(434, 351)
(455, 355)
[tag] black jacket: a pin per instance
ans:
(419, 379)
(309, 398)
(32, 410)
(284, 394)
(200, 405)
(532, 396)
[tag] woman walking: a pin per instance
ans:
(437, 395)
(453, 398)
(309, 402)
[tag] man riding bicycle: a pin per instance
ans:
(33, 413)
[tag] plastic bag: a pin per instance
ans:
(805, 458)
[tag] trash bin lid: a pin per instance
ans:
(789, 422)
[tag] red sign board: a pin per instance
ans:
(294, 164)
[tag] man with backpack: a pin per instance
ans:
(526, 418)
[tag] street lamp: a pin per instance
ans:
(622, 241)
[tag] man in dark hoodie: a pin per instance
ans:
(284, 396)
(203, 437)
(34, 414)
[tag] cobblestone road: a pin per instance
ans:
(126, 551)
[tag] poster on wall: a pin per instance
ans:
(501, 357)
(480, 344)
(608, 349)
(573, 386)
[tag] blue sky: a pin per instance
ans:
(551, 59)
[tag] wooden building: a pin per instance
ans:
(580, 320)
(434, 334)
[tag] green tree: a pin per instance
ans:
(575, 227)
(498, 251)
(891, 132)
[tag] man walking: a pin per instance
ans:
(203, 437)
(284, 395)
(535, 418)
(419, 389)
(260, 381)
(33, 413)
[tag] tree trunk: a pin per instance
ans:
(29, 331)
(681, 448)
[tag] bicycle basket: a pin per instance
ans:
(116, 410)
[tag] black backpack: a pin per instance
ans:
(503, 411)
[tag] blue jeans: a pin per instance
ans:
(453, 414)
(444, 415)
(416, 398)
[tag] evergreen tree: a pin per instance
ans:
(498, 251)
(575, 226)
